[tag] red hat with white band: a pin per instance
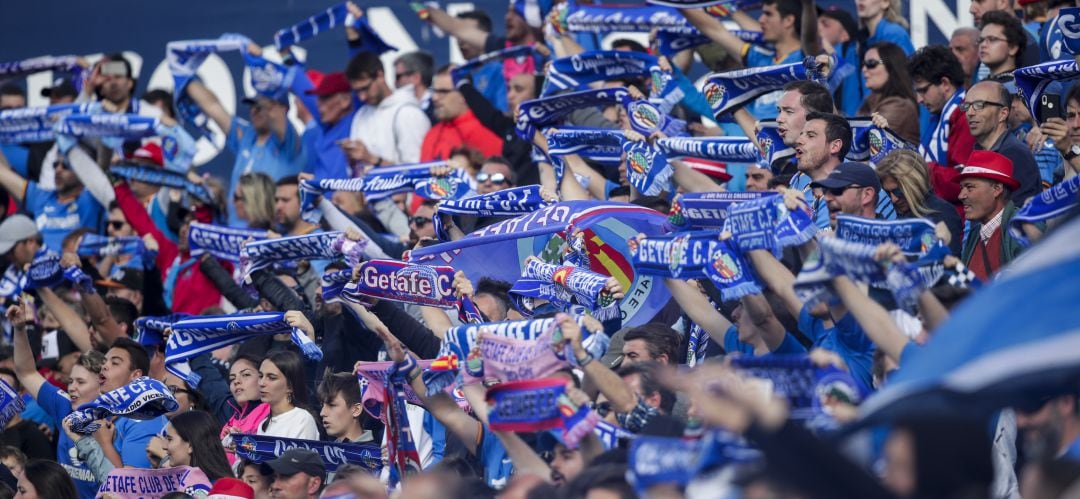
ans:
(989, 165)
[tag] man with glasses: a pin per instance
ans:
(987, 106)
(457, 125)
(421, 223)
(390, 128)
(495, 175)
(852, 189)
(947, 142)
(1002, 41)
(416, 69)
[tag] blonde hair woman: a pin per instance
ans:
(253, 200)
(883, 22)
(905, 176)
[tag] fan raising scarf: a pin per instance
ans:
(222, 242)
(725, 149)
(38, 124)
(463, 71)
(95, 245)
(45, 271)
(538, 405)
(683, 255)
(384, 182)
(563, 285)
(708, 209)
(603, 145)
(511, 202)
(338, 15)
(400, 447)
(810, 390)
(149, 330)
(1051, 203)
(404, 282)
(536, 114)
(142, 399)
(113, 129)
(262, 448)
(728, 91)
(647, 118)
(1033, 81)
(10, 403)
(508, 359)
(63, 63)
(634, 18)
(164, 178)
(184, 58)
(579, 70)
(320, 246)
(647, 168)
(773, 148)
(768, 224)
(673, 42)
(915, 236)
(195, 336)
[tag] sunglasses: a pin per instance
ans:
(419, 221)
(839, 191)
(899, 194)
(117, 224)
(495, 178)
(872, 63)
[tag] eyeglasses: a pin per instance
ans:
(495, 178)
(176, 389)
(923, 89)
(419, 221)
(979, 105)
(403, 74)
(362, 89)
(442, 91)
(839, 191)
(991, 39)
(117, 224)
(872, 63)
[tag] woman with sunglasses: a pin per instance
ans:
(905, 176)
(884, 68)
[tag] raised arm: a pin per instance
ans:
(95, 306)
(210, 105)
(11, 181)
(692, 180)
(92, 176)
(25, 365)
(69, 320)
(698, 308)
(772, 331)
(877, 323)
(778, 278)
(622, 398)
(463, 31)
(811, 41)
(716, 31)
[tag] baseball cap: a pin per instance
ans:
(230, 488)
(848, 174)
(150, 152)
(61, 87)
(14, 229)
(295, 461)
(332, 83)
(124, 278)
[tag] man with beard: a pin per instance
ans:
(1051, 427)
(852, 189)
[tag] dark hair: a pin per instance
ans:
(1013, 29)
(483, 21)
(344, 383)
(49, 479)
(288, 180)
(934, 62)
(292, 369)
(653, 202)
(123, 311)
(17, 386)
(418, 61)
(952, 457)
(165, 97)
(1073, 95)
(12, 88)
(363, 65)
(814, 96)
(499, 290)
(14, 453)
(836, 128)
(647, 372)
(199, 429)
(788, 8)
(609, 477)
(139, 359)
(659, 339)
(895, 61)
(627, 43)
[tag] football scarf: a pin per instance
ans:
(62, 63)
(1051, 203)
(337, 15)
(150, 330)
(647, 168)
(1034, 81)
(45, 271)
(10, 403)
(728, 91)
(915, 236)
(38, 124)
(383, 182)
(725, 149)
(766, 223)
(101, 246)
(508, 359)
(142, 399)
(682, 255)
(220, 241)
(809, 389)
(534, 115)
(164, 178)
(564, 285)
(579, 70)
(707, 209)
(538, 405)
(511, 202)
(773, 148)
(730, 273)
(184, 58)
(262, 448)
(405, 282)
(319, 246)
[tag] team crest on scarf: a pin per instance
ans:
(644, 116)
(677, 254)
(714, 93)
(726, 267)
(676, 217)
(638, 162)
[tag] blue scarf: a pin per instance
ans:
(333, 284)
(142, 399)
(579, 70)
(673, 42)
(647, 118)
(647, 168)
(150, 330)
(725, 5)
(1034, 81)
(656, 461)
(11, 403)
(95, 245)
(725, 149)
(270, 79)
(405, 282)
(79, 279)
(195, 336)
(45, 271)
(63, 63)
(318, 246)
(463, 71)
(538, 405)
(165, 178)
(683, 255)
(533, 11)
(707, 209)
(766, 223)
(563, 285)
(603, 145)
(728, 91)
(113, 129)
(262, 448)
(806, 387)
(38, 124)
(773, 148)
(384, 182)
(871, 144)
(400, 449)
(511, 202)
(935, 145)
(730, 272)
(1061, 37)
(540, 113)
(460, 344)
(331, 17)
(618, 18)
(184, 58)
(1051, 203)
(222, 242)
(915, 236)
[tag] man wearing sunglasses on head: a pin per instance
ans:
(987, 106)
(495, 175)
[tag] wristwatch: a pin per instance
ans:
(1073, 153)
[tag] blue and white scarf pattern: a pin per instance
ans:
(331, 17)
(578, 70)
(97, 245)
(773, 148)
(511, 202)
(404, 282)
(164, 178)
(321, 246)
(730, 273)
(1067, 25)
(647, 118)
(647, 168)
(725, 149)
(64, 63)
(195, 336)
(1051, 203)
(683, 255)
(540, 113)
(262, 448)
(220, 241)
(461, 72)
(708, 209)
(673, 42)
(603, 145)
(564, 285)
(1033, 81)
(142, 399)
(766, 223)
(384, 182)
(937, 147)
(619, 18)
(80, 279)
(38, 124)
(10, 403)
(915, 236)
(184, 58)
(45, 271)
(808, 389)
(727, 91)
(149, 330)
(112, 129)
(871, 144)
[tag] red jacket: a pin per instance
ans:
(193, 291)
(961, 143)
(465, 130)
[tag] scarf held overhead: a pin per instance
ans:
(262, 448)
(143, 398)
(220, 241)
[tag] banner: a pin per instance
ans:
(404, 282)
(96, 245)
(140, 483)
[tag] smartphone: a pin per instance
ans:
(114, 68)
(1050, 107)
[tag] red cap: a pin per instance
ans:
(989, 165)
(231, 488)
(150, 152)
(333, 83)
(1027, 2)
(714, 169)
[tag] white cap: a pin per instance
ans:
(14, 229)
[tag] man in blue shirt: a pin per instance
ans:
(884, 23)
(58, 212)
(332, 105)
(265, 144)
(125, 362)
